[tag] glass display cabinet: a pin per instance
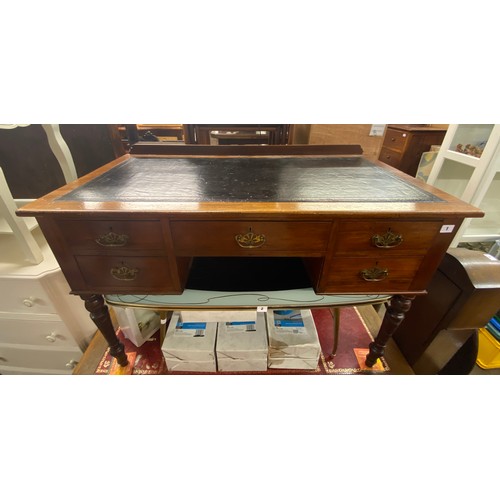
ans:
(468, 167)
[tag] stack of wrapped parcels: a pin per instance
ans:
(241, 341)
(189, 346)
(293, 339)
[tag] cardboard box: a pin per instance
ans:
(293, 363)
(138, 325)
(293, 339)
(176, 365)
(189, 346)
(242, 342)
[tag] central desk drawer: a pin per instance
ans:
(223, 238)
(112, 236)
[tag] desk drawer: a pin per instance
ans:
(395, 140)
(224, 238)
(390, 157)
(391, 237)
(381, 275)
(112, 236)
(126, 273)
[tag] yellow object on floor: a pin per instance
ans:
(361, 357)
(116, 369)
(488, 355)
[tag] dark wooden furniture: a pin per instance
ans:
(463, 295)
(236, 134)
(169, 149)
(140, 224)
(404, 144)
(132, 133)
(32, 170)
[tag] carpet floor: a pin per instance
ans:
(354, 338)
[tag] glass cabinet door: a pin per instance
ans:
(487, 198)
(470, 140)
(468, 167)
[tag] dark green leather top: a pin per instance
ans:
(270, 179)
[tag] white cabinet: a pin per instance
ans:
(468, 166)
(43, 329)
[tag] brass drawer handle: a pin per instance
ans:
(250, 239)
(387, 240)
(124, 273)
(112, 239)
(374, 274)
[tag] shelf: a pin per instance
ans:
(475, 135)
(474, 179)
(490, 223)
(471, 161)
(454, 177)
(196, 299)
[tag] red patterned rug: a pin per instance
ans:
(354, 339)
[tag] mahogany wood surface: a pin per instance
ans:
(361, 227)
(404, 145)
(166, 149)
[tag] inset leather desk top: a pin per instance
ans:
(317, 179)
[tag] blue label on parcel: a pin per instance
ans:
(289, 322)
(191, 326)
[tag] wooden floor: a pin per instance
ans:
(372, 319)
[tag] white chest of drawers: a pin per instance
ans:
(43, 329)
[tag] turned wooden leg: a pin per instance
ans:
(394, 315)
(99, 314)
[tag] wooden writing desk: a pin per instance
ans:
(142, 224)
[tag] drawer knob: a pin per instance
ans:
(374, 274)
(124, 273)
(71, 363)
(29, 302)
(250, 239)
(52, 337)
(112, 239)
(387, 240)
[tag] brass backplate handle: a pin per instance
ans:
(387, 240)
(124, 273)
(250, 239)
(112, 239)
(374, 274)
